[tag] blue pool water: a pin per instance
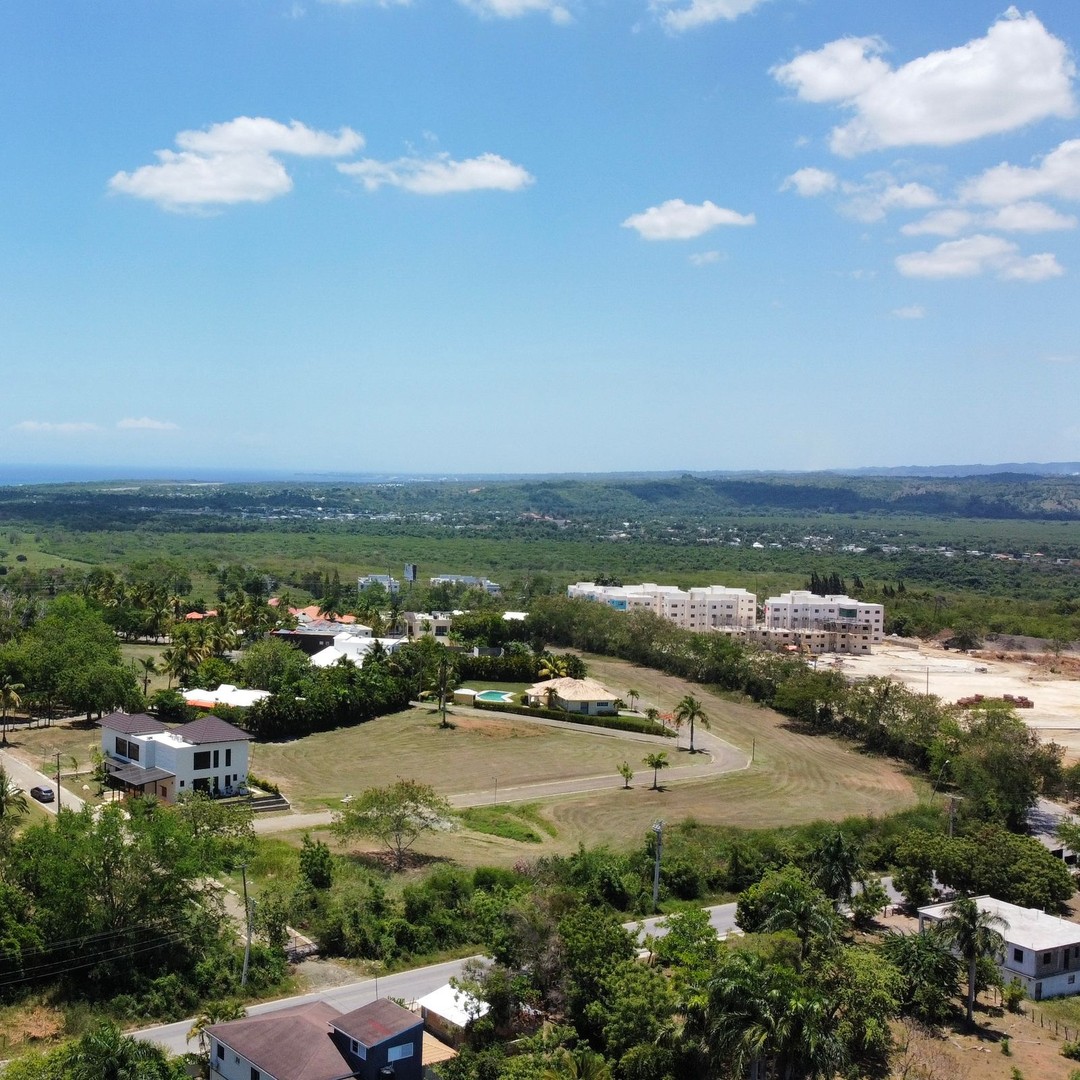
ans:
(500, 696)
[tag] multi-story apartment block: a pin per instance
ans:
(702, 608)
(802, 610)
(492, 587)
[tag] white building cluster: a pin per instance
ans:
(797, 620)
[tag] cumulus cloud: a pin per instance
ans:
(145, 423)
(1016, 74)
(689, 16)
(705, 258)
(913, 311)
(678, 220)
(514, 9)
(232, 162)
(1058, 173)
(1029, 217)
(440, 175)
(975, 255)
(49, 427)
(810, 182)
(940, 223)
(872, 200)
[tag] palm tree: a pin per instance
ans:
(633, 695)
(9, 699)
(149, 667)
(972, 934)
(214, 1012)
(106, 1053)
(835, 867)
(552, 667)
(689, 711)
(12, 800)
(584, 1065)
(656, 762)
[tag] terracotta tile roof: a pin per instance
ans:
(210, 729)
(132, 723)
(376, 1022)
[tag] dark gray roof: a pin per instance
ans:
(136, 775)
(291, 1044)
(376, 1022)
(210, 729)
(132, 723)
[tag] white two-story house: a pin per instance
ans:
(143, 756)
(1041, 950)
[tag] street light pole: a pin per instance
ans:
(658, 830)
(495, 801)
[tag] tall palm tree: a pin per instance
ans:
(689, 711)
(656, 762)
(835, 864)
(9, 699)
(149, 667)
(972, 934)
(12, 800)
(633, 695)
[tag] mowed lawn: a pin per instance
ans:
(318, 770)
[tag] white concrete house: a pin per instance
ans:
(574, 696)
(420, 624)
(700, 608)
(1041, 950)
(390, 584)
(491, 587)
(355, 649)
(143, 756)
(803, 610)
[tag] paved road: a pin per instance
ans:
(721, 917)
(27, 777)
(408, 985)
(717, 757)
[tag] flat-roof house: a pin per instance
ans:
(319, 1042)
(143, 756)
(573, 695)
(1041, 950)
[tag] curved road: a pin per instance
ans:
(719, 757)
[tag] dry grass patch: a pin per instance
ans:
(320, 769)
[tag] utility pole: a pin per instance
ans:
(495, 801)
(247, 917)
(658, 830)
(58, 782)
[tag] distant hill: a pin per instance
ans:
(1011, 468)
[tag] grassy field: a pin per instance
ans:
(318, 770)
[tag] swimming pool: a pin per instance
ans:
(503, 697)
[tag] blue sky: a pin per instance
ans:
(539, 235)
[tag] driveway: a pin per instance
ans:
(27, 777)
(716, 758)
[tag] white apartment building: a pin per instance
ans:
(803, 610)
(702, 608)
(491, 587)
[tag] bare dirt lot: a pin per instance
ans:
(952, 675)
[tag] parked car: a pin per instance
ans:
(42, 794)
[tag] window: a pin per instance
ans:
(216, 756)
(202, 759)
(228, 757)
(255, 1074)
(221, 1051)
(1047, 957)
(399, 1053)
(181, 783)
(121, 746)
(133, 751)
(1018, 955)
(1072, 980)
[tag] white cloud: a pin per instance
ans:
(678, 220)
(514, 9)
(48, 427)
(231, 163)
(1029, 217)
(257, 134)
(1056, 174)
(871, 201)
(940, 223)
(705, 258)
(145, 423)
(810, 182)
(1016, 74)
(913, 311)
(700, 12)
(440, 175)
(976, 255)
